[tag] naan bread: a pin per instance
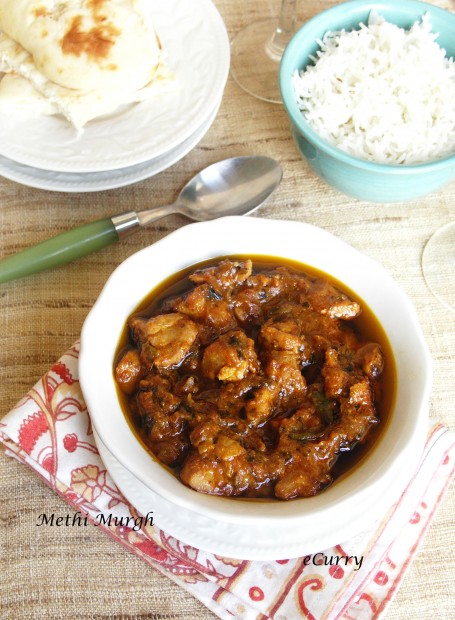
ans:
(85, 44)
(26, 86)
(19, 98)
(84, 57)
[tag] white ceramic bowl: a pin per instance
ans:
(346, 507)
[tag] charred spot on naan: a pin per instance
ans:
(96, 42)
(40, 11)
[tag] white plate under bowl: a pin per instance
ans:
(246, 541)
(314, 520)
(99, 181)
(197, 45)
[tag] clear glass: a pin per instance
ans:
(256, 53)
(438, 265)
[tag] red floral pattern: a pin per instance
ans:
(50, 430)
(31, 430)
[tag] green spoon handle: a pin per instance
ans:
(59, 250)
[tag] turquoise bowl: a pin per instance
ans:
(355, 177)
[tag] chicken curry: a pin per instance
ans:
(254, 379)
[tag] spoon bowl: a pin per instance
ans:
(234, 186)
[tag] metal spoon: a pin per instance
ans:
(235, 186)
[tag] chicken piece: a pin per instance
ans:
(204, 435)
(129, 371)
(248, 472)
(283, 368)
(357, 413)
(170, 452)
(260, 403)
(227, 449)
(224, 276)
(285, 335)
(166, 339)
(163, 421)
(344, 368)
(200, 476)
(167, 435)
(371, 359)
(188, 384)
(254, 293)
(318, 330)
(155, 398)
(282, 336)
(230, 357)
(248, 402)
(336, 377)
(310, 470)
(326, 299)
(298, 281)
(300, 480)
(306, 423)
(208, 308)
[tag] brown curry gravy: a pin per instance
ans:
(366, 324)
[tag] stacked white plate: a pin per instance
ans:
(139, 140)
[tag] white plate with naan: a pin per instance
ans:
(52, 180)
(198, 52)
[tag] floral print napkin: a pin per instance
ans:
(50, 431)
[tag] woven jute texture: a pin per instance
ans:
(78, 572)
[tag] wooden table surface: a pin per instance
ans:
(68, 573)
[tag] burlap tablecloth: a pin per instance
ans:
(70, 572)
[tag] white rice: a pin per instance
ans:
(381, 93)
